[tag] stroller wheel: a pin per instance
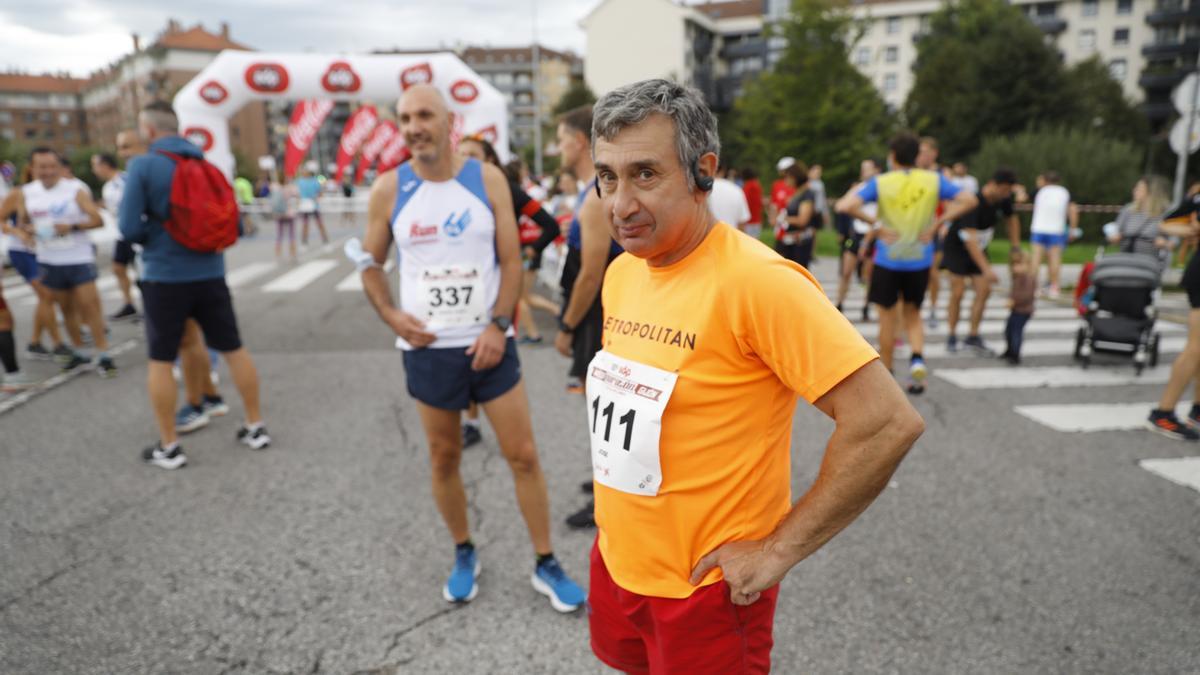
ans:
(1080, 336)
(1154, 349)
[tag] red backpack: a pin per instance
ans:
(203, 213)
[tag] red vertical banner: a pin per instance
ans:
(379, 140)
(358, 128)
(393, 154)
(307, 118)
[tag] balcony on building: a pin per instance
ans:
(744, 48)
(1050, 25)
(1173, 12)
(1160, 79)
(1158, 111)
(1169, 50)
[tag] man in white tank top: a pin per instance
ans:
(60, 210)
(458, 249)
(1054, 216)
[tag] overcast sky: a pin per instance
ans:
(80, 36)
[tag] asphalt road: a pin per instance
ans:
(1002, 546)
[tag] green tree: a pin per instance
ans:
(1098, 102)
(984, 69)
(814, 105)
(1095, 167)
(578, 94)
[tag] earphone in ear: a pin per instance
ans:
(705, 183)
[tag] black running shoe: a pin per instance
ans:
(1167, 424)
(127, 312)
(166, 459)
(37, 352)
(62, 353)
(74, 362)
(471, 435)
(584, 518)
(106, 368)
(257, 439)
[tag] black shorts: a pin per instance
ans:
(853, 243)
(888, 286)
(956, 260)
(442, 378)
(123, 252)
(800, 253)
(1191, 281)
(168, 306)
(587, 339)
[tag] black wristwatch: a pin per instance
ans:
(502, 322)
(562, 326)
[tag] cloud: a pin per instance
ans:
(81, 36)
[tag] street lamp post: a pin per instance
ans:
(537, 98)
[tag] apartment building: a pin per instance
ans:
(515, 73)
(42, 110)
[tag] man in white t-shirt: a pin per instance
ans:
(728, 202)
(104, 166)
(964, 180)
(1053, 211)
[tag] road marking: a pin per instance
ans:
(991, 313)
(1057, 376)
(301, 276)
(996, 328)
(1061, 346)
(1183, 471)
(24, 396)
(1090, 417)
(353, 282)
(244, 275)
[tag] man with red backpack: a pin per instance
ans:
(183, 213)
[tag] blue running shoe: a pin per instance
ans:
(550, 580)
(190, 418)
(461, 586)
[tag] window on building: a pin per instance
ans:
(890, 83)
(5, 117)
(1091, 7)
(45, 117)
(923, 24)
(7, 134)
(1118, 69)
(1120, 37)
(503, 79)
(891, 54)
(524, 80)
(1124, 6)
(29, 117)
(31, 133)
(1047, 9)
(893, 25)
(1087, 39)
(862, 56)
(64, 119)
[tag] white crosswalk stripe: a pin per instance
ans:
(1035, 327)
(244, 275)
(1091, 417)
(353, 282)
(1183, 471)
(1053, 377)
(300, 277)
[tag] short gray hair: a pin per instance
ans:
(161, 116)
(695, 124)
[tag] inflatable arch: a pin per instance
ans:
(235, 78)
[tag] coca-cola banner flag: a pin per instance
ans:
(235, 78)
(307, 118)
(383, 134)
(393, 154)
(358, 129)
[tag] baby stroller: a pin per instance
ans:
(1120, 312)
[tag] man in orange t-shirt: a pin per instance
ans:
(709, 339)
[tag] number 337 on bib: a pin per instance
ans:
(626, 400)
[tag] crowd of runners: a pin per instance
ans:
(677, 324)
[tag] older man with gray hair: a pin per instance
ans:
(709, 338)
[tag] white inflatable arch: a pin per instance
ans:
(235, 78)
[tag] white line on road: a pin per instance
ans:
(1183, 471)
(300, 277)
(244, 275)
(996, 328)
(1089, 417)
(25, 396)
(1061, 346)
(1057, 376)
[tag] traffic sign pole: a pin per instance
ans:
(1182, 162)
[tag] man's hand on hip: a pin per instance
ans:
(748, 567)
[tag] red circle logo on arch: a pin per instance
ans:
(464, 91)
(422, 73)
(200, 136)
(340, 77)
(268, 78)
(213, 92)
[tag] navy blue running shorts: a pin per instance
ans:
(66, 277)
(442, 378)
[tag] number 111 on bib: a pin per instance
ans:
(626, 400)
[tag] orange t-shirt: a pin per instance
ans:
(747, 332)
